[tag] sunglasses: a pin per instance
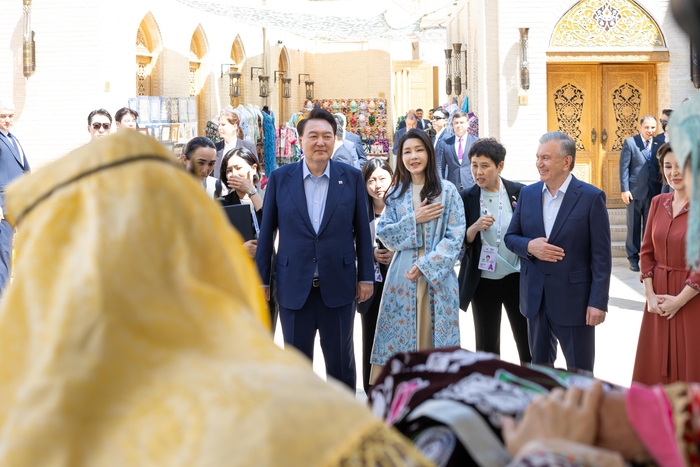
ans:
(663, 122)
(439, 118)
(105, 126)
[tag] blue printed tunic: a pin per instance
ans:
(442, 238)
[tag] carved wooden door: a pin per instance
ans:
(573, 100)
(599, 106)
(629, 93)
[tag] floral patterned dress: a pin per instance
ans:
(442, 239)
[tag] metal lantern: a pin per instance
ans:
(524, 64)
(457, 68)
(264, 85)
(448, 71)
(309, 90)
(286, 88)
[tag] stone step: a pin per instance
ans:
(617, 216)
(618, 233)
(618, 249)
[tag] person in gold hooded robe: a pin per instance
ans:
(133, 335)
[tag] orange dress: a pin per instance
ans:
(668, 350)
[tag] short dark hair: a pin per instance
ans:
(196, 143)
(99, 112)
(318, 114)
(645, 118)
(419, 110)
(459, 114)
(123, 111)
(490, 148)
(567, 146)
(667, 112)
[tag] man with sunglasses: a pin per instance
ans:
(13, 163)
(439, 120)
(99, 124)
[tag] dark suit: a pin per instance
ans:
(397, 137)
(343, 237)
(240, 143)
(640, 176)
(493, 294)
(448, 163)
(554, 296)
(13, 163)
(359, 148)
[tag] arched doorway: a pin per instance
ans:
(148, 47)
(238, 57)
(603, 63)
(284, 103)
(197, 75)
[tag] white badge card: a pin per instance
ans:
(487, 260)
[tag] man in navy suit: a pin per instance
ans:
(561, 231)
(410, 123)
(640, 181)
(319, 208)
(423, 124)
(451, 153)
(439, 119)
(13, 163)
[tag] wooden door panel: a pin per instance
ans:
(573, 108)
(628, 93)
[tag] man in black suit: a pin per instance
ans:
(640, 181)
(663, 138)
(423, 124)
(410, 123)
(13, 163)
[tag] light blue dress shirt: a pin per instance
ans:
(316, 190)
(551, 204)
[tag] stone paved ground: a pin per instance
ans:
(616, 338)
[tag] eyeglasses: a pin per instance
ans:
(105, 126)
(663, 122)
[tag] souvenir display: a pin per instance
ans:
(163, 118)
(154, 108)
(365, 117)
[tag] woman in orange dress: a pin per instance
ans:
(668, 346)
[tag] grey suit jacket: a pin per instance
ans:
(12, 164)
(448, 162)
(359, 148)
(240, 143)
(634, 167)
(347, 154)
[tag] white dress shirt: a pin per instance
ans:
(551, 204)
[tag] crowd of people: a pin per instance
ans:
(337, 234)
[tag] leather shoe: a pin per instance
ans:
(634, 266)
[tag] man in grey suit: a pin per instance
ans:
(451, 153)
(639, 183)
(353, 138)
(13, 163)
(344, 151)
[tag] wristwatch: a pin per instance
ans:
(253, 191)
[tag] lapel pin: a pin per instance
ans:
(340, 182)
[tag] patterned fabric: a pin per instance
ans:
(270, 142)
(450, 402)
(442, 239)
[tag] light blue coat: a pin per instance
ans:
(398, 231)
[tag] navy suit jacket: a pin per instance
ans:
(359, 148)
(448, 162)
(638, 175)
(12, 164)
(582, 278)
(397, 137)
(240, 143)
(343, 237)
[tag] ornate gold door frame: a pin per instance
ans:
(599, 106)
